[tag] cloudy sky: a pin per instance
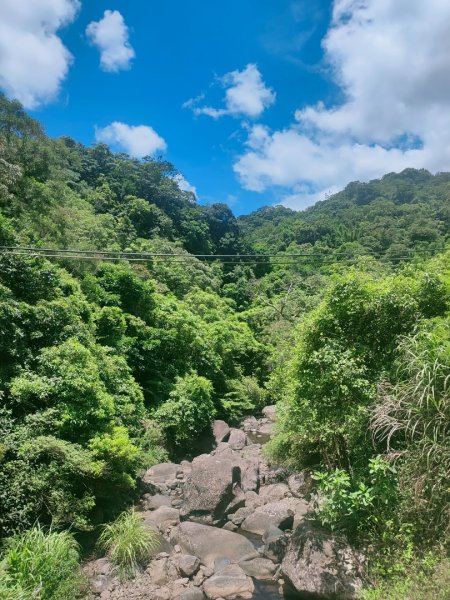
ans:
(255, 101)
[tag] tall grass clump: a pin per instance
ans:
(40, 565)
(128, 543)
(413, 419)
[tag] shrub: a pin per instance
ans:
(357, 506)
(39, 565)
(189, 410)
(129, 543)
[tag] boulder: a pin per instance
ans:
(246, 464)
(237, 439)
(270, 412)
(229, 583)
(322, 564)
(273, 492)
(209, 488)
(209, 543)
(275, 544)
(259, 568)
(221, 431)
(162, 571)
(152, 502)
(238, 500)
(163, 517)
(187, 564)
(240, 515)
(280, 514)
(160, 477)
(300, 484)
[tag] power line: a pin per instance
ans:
(73, 253)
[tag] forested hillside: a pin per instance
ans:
(110, 366)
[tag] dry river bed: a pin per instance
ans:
(232, 526)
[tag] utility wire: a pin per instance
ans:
(250, 259)
(142, 255)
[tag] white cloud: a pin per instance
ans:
(392, 63)
(110, 35)
(184, 184)
(246, 95)
(33, 60)
(137, 141)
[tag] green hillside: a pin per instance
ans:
(110, 366)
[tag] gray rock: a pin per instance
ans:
(152, 502)
(209, 488)
(273, 492)
(208, 543)
(321, 564)
(162, 572)
(240, 515)
(221, 431)
(187, 564)
(163, 517)
(230, 526)
(276, 543)
(231, 582)
(237, 439)
(191, 594)
(238, 500)
(270, 412)
(300, 484)
(278, 513)
(259, 568)
(159, 477)
(220, 563)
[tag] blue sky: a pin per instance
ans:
(255, 101)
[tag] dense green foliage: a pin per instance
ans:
(108, 367)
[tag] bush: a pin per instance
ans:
(129, 543)
(357, 506)
(39, 565)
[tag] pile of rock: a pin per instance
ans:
(227, 518)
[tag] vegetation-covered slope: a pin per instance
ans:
(109, 367)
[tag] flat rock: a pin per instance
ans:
(209, 543)
(229, 583)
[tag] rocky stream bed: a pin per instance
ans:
(232, 526)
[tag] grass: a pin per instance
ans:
(40, 565)
(128, 543)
